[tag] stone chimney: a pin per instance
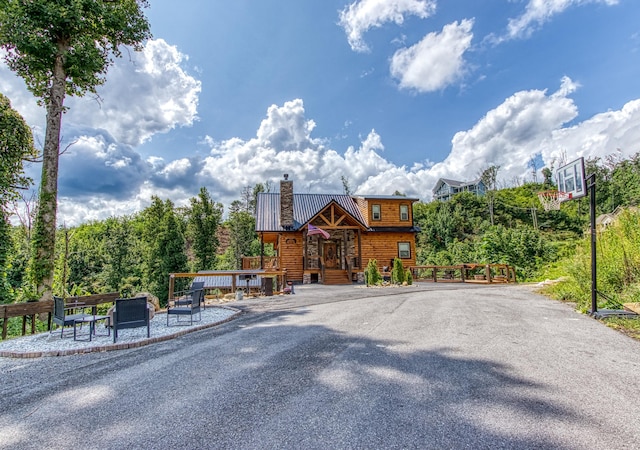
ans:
(286, 203)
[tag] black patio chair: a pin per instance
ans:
(130, 313)
(189, 309)
(60, 316)
(183, 298)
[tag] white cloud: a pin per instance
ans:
(151, 93)
(537, 12)
(14, 88)
(360, 16)
(435, 62)
(525, 124)
(101, 177)
(611, 132)
(146, 93)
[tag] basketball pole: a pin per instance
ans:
(591, 185)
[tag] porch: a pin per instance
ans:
(315, 269)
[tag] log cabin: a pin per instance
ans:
(330, 238)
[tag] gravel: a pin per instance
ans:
(51, 344)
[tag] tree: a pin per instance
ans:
(398, 274)
(489, 177)
(63, 48)
(242, 226)
(204, 219)
(5, 247)
(164, 246)
(346, 186)
(16, 145)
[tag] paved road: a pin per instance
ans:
(434, 366)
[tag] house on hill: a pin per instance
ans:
(330, 238)
(445, 189)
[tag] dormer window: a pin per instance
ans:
(404, 212)
(375, 212)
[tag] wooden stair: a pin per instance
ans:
(333, 276)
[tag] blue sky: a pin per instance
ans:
(390, 94)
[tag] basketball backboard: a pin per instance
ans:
(571, 180)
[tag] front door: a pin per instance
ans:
(330, 255)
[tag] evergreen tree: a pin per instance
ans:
(397, 273)
(205, 217)
(163, 246)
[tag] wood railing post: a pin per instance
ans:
(172, 278)
(487, 272)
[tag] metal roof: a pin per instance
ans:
(387, 197)
(455, 183)
(305, 206)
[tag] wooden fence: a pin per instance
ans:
(465, 273)
(30, 311)
(231, 280)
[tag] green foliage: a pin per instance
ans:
(372, 273)
(460, 231)
(204, 218)
(16, 145)
(397, 272)
(409, 277)
(241, 226)
(164, 246)
(82, 33)
(522, 247)
(6, 296)
(41, 263)
(63, 48)
(618, 267)
(17, 261)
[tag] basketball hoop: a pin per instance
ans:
(551, 199)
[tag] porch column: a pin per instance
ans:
(345, 252)
(360, 248)
(304, 251)
(261, 250)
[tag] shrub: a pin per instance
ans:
(397, 273)
(372, 273)
(409, 277)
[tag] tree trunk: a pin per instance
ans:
(45, 227)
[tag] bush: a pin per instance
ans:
(409, 277)
(397, 273)
(372, 273)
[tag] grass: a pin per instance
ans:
(630, 327)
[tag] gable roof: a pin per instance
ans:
(305, 207)
(455, 183)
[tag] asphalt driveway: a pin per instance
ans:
(428, 366)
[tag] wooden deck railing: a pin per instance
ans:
(253, 262)
(31, 310)
(465, 273)
(231, 283)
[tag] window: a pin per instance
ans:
(404, 250)
(375, 212)
(404, 212)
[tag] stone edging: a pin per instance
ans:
(123, 346)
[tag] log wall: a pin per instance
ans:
(384, 248)
(291, 253)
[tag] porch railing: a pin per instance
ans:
(466, 273)
(253, 262)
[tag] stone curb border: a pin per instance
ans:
(123, 346)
